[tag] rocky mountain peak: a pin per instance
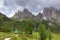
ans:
(25, 14)
(51, 12)
(39, 16)
(25, 10)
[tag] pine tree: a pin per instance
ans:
(42, 31)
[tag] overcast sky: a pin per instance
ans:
(9, 7)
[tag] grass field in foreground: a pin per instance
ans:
(22, 36)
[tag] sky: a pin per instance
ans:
(9, 7)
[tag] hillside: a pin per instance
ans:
(3, 17)
(7, 24)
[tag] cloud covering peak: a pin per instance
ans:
(9, 7)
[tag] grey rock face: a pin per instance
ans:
(25, 14)
(51, 12)
(39, 16)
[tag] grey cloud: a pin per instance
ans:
(10, 4)
(32, 5)
(22, 2)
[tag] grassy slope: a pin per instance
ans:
(22, 36)
(56, 36)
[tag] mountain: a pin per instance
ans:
(7, 24)
(39, 16)
(25, 14)
(51, 13)
(3, 17)
(4, 22)
(48, 13)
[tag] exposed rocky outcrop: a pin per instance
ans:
(25, 14)
(39, 16)
(51, 13)
(48, 13)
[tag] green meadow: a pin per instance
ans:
(23, 36)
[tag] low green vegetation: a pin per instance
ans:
(29, 29)
(23, 36)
